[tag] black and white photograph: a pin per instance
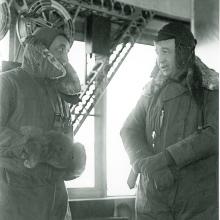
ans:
(109, 109)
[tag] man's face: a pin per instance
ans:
(165, 51)
(60, 48)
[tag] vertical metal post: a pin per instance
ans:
(100, 140)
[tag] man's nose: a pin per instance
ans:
(63, 58)
(161, 59)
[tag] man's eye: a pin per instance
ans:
(165, 51)
(61, 49)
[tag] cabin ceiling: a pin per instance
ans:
(28, 15)
(176, 8)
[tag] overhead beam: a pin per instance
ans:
(176, 8)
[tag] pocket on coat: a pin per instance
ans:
(201, 205)
(180, 127)
(28, 178)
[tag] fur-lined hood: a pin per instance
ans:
(40, 63)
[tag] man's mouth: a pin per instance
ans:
(164, 68)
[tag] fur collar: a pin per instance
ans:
(40, 63)
(210, 79)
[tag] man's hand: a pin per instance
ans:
(163, 179)
(153, 163)
(156, 168)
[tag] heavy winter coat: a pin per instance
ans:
(27, 99)
(172, 120)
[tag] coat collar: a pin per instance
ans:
(172, 90)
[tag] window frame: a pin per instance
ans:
(100, 187)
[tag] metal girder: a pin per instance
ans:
(118, 12)
(114, 9)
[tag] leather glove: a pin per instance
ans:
(156, 168)
(156, 162)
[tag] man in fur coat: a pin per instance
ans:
(171, 136)
(35, 98)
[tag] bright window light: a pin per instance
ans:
(77, 59)
(209, 53)
(4, 49)
(85, 135)
(122, 95)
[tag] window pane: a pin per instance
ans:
(123, 93)
(85, 135)
(77, 59)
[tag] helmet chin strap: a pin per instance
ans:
(182, 70)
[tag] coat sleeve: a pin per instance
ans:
(7, 100)
(12, 141)
(8, 136)
(204, 142)
(133, 133)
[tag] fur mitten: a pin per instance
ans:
(53, 148)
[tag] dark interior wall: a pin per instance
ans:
(205, 25)
(103, 209)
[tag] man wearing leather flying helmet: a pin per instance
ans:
(171, 136)
(37, 95)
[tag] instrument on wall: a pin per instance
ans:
(48, 13)
(5, 18)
